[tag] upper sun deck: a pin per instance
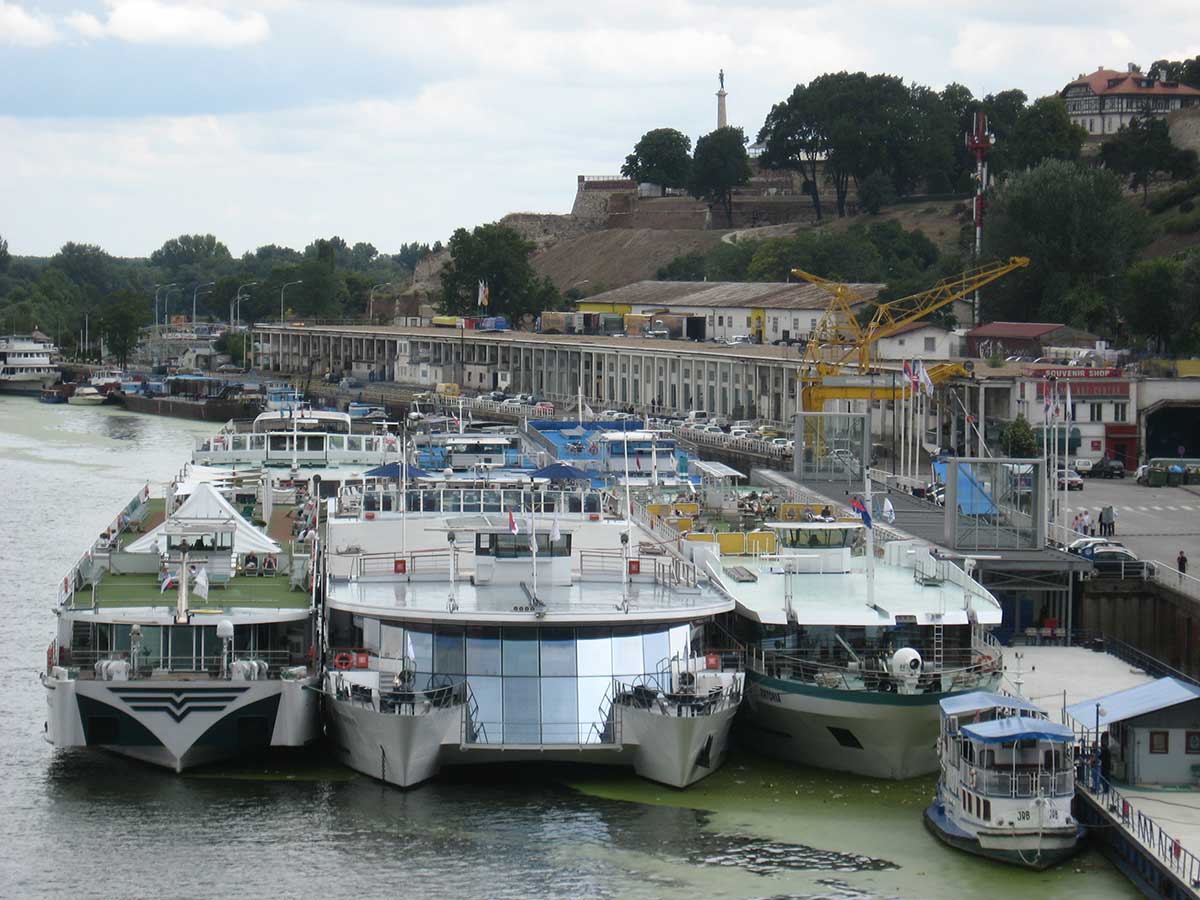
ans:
(830, 587)
(408, 568)
(110, 597)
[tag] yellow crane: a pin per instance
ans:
(840, 337)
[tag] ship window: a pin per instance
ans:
(558, 651)
(483, 650)
(845, 738)
(627, 651)
(560, 711)
(987, 810)
(520, 652)
(594, 651)
(448, 651)
(521, 709)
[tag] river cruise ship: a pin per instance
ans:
(184, 638)
(850, 651)
(26, 364)
(479, 626)
(1007, 782)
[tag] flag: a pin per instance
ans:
(889, 511)
(1046, 403)
(859, 507)
(512, 523)
(908, 373)
(926, 380)
(1069, 408)
(200, 588)
(555, 534)
(483, 293)
(166, 583)
(637, 461)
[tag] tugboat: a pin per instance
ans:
(1007, 782)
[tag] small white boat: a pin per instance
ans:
(1007, 782)
(86, 396)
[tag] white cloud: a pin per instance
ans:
(21, 28)
(156, 22)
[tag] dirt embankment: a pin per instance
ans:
(602, 260)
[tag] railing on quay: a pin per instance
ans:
(1165, 848)
(723, 441)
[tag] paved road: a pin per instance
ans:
(1155, 523)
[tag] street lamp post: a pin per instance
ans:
(371, 299)
(195, 293)
(281, 290)
(238, 298)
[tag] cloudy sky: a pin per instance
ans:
(125, 122)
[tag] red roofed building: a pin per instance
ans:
(1024, 338)
(1107, 99)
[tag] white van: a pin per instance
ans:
(697, 416)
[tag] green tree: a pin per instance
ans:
(124, 314)
(190, 250)
(4, 257)
(499, 256)
(1003, 111)
(876, 192)
(1142, 150)
(1074, 225)
(662, 157)
(89, 266)
(794, 139)
(1044, 131)
(689, 267)
(719, 166)
(1151, 301)
(1018, 439)
(1185, 72)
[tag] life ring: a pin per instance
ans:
(343, 661)
(592, 448)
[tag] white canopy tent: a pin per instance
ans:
(205, 504)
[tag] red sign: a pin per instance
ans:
(1071, 372)
(1096, 445)
(1087, 389)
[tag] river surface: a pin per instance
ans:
(83, 825)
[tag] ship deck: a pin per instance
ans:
(242, 592)
(842, 598)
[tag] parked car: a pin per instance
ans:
(1084, 546)
(1117, 562)
(513, 403)
(544, 406)
(495, 396)
(1070, 480)
(1107, 468)
(350, 384)
(1083, 466)
(739, 339)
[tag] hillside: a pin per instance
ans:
(940, 220)
(611, 258)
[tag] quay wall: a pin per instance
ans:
(1160, 622)
(207, 411)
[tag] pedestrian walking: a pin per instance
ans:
(1087, 523)
(1181, 562)
(1112, 526)
(1106, 517)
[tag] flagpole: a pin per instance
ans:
(903, 431)
(870, 538)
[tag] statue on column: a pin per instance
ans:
(721, 78)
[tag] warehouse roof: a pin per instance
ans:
(726, 294)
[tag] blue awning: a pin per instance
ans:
(1133, 702)
(1017, 728)
(977, 701)
(392, 470)
(561, 472)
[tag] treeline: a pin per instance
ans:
(82, 287)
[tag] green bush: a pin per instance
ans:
(1184, 224)
(1175, 196)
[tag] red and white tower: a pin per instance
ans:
(979, 142)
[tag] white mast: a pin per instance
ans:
(181, 602)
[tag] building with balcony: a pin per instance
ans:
(1107, 99)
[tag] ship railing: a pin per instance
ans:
(646, 692)
(398, 700)
(998, 783)
(965, 668)
(570, 735)
(156, 666)
(1167, 849)
(417, 563)
(668, 571)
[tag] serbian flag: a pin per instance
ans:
(512, 523)
(858, 506)
(908, 373)
(167, 582)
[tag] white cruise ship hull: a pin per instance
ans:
(405, 750)
(180, 724)
(871, 733)
(33, 383)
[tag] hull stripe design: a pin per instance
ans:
(178, 703)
